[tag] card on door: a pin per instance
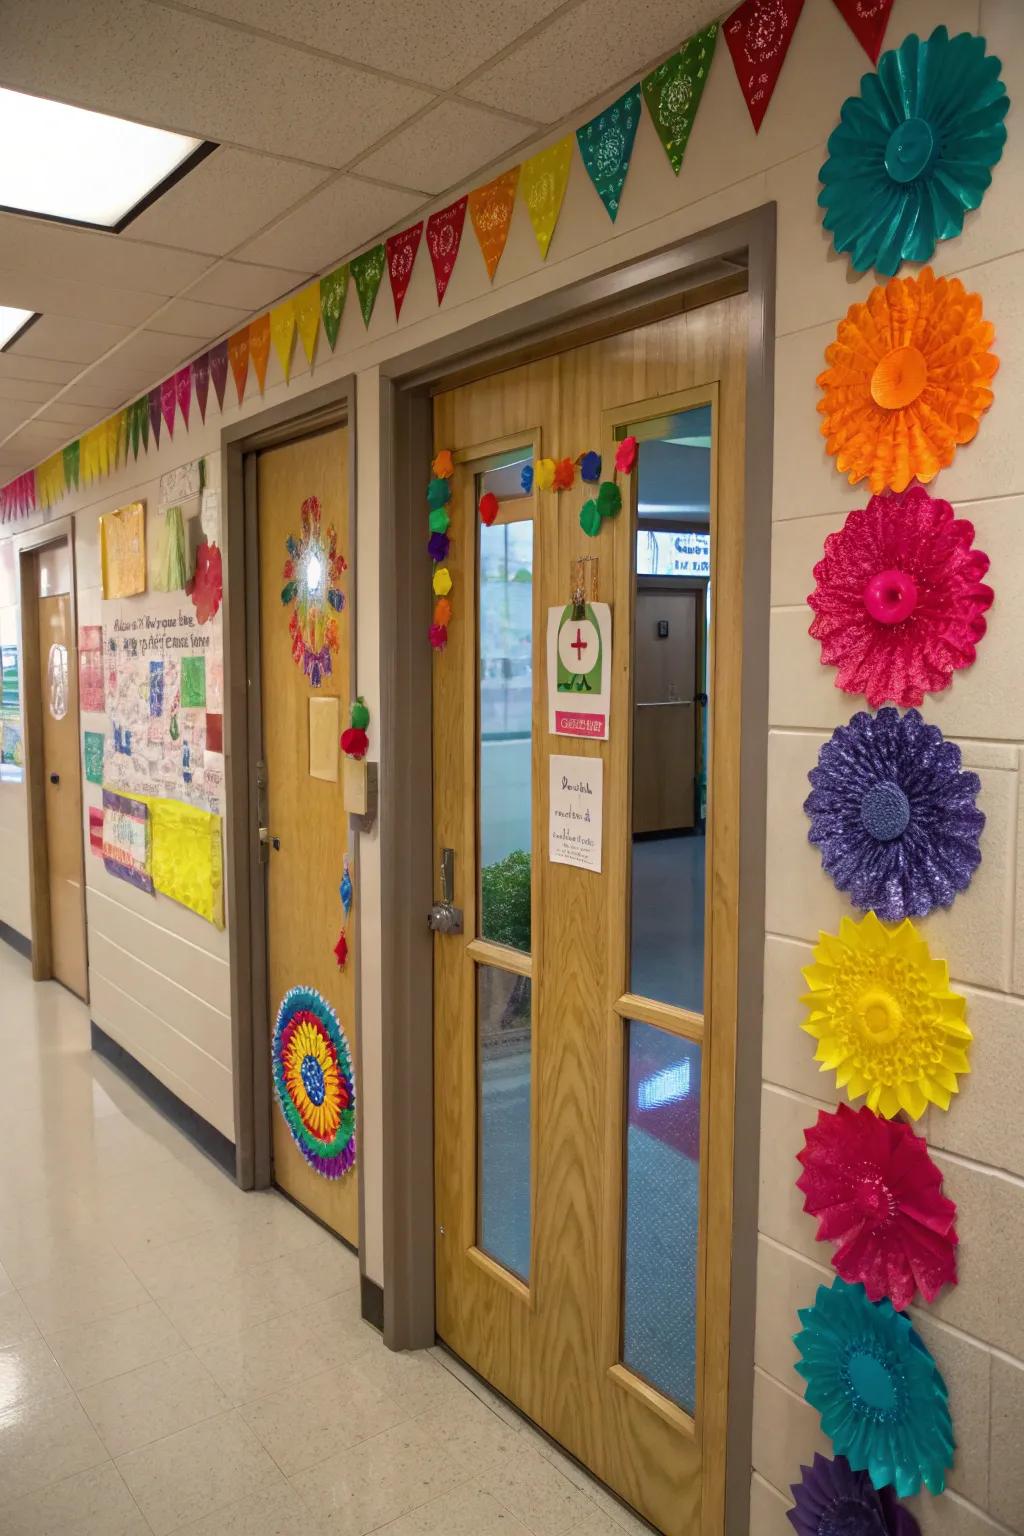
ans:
(324, 728)
(580, 671)
(576, 811)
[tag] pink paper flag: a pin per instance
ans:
(401, 249)
(444, 236)
(168, 400)
(201, 381)
(183, 390)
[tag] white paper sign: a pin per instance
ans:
(580, 671)
(576, 811)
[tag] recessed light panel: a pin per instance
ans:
(11, 322)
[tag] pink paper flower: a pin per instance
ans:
(877, 1193)
(439, 636)
(489, 507)
(206, 586)
(625, 455)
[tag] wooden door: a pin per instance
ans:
(62, 789)
(304, 705)
(664, 710)
(560, 1096)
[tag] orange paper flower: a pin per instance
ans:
(443, 468)
(908, 379)
(565, 473)
(442, 612)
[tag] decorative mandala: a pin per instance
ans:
(914, 151)
(882, 1400)
(884, 1017)
(894, 814)
(313, 1084)
(312, 573)
(833, 1500)
(899, 603)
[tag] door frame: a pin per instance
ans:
(695, 270)
(61, 530)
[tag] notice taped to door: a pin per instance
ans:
(576, 811)
(580, 670)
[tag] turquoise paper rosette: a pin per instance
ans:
(914, 151)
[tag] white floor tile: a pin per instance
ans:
(42, 1442)
(387, 1477)
(92, 1503)
(93, 1352)
(146, 1404)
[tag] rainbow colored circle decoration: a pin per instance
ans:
(313, 1082)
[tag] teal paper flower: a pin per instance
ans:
(914, 151)
(879, 1392)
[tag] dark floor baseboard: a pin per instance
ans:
(16, 940)
(371, 1297)
(205, 1136)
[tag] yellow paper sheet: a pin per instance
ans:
(187, 862)
(123, 551)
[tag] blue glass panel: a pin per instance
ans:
(505, 1070)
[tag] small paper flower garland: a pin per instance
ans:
(311, 1066)
(439, 493)
(345, 891)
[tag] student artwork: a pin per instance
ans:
(899, 600)
(312, 1070)
(884, 1017)
(126, 840)
(877, 1194)
(354, 740)
(914, 151)
(439, 493)
(907, 382)
(206, 586)
(123, 551)
(882, 1400)
(90, 669)
(312, 575)
(169, 559)
(894, 814)
(345, 891)
(833, 1500)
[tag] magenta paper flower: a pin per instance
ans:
(899, 603)
(878, 1195)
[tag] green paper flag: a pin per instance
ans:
(333, 289)
(71, 464)
(606, 143)
(673, 92)
(367, 271)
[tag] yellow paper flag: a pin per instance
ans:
(50, 484)
(542, 182)
(282, 334)
(94, 453)
(115, 428)
(307, 314)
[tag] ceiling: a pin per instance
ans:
(336, 121)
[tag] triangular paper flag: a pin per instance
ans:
(282, 333)
(367, 271)
(542, 182)
(867, 20)
(50, 480)
(72, 459)
(219, 370)
(606, 144)
(238, 357)
(673, 92)
(759, 33)
(402, 250)
(135, 426)
(154, 415)
(444, 236)
(168, 400)
(183, 390)
(490, 210)
(201, 381)
(116, 439)
(333, 289)
(259, 348)
(307, 319)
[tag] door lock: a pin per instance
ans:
(443, 916)
(54, 778)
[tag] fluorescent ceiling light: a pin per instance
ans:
(83, 167)
(11, 322)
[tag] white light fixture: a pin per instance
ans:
(12, 321)
(82, 167)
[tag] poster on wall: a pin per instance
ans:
(90, 669)
(126, 842)
(123, 551)
(580, 670)
(576, 811)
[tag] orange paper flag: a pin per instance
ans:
(259, 347)
(238, 357)
(490, 209)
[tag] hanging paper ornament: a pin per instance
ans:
(238, 356)
(590, 519)
(201, 382)
(341, 950)
(625, 455)
(206, 586)
(259, 348)
(899, 601)
(867, 20)
(354, 741)
(673, 92)
(312, 576)
(438, 636)
(401, 249)
(606, 146)
(907, 382)
(219, 370)
(526, 478)
(894, 815)
(544, 475)
(442, 612)
(543, 181)
(307, 319)
(490, 212)
(183, 391)
(877, 1194)
(759, 33)
(439, 491)
(345, 889)
(881, 1398)
(609, 499)
(444, 236)
(489, 508)
(168, 403)
(438, 520)
(565, 474)
(312, 1072)
(367, 271)
(914, 151)
(833, 1500)
(443, 466)
(590, 467)
(442, 582)
(884, 1017)
(282, 334)
(333, 292)
(437, 547)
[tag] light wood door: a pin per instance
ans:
(306, 820)
(664, 710)
(535, 1023)
(62, 789)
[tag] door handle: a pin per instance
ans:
(664, 704)
(54, 778)
(267, 841)
(443, 916)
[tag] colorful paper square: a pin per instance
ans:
(193, 682)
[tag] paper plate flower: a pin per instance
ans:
(489, 507)
(443, 466)
(625, 455)
(877, 1193)
(311, 1066)
(833, 1500)
(881, 1398)
(206, 586)
(565, 474)
(907, 381)
(884, 1017)
(312, 573)
(894, 814)
(914, 151)
(899, 603)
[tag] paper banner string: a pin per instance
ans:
(759, 33)
(444, 236)
(867, 20)
(201, 382)
(307, 319)
(219, 370)
(673, 92)
(71, 457)
(168, 402)
(367, 271)
(402, 250)
(238, 356)
(50, 480)
(282, 334)
(543, 181)
(606, 144)
(183, 391)
(259, 348)
(490, 211)
(154, 413)
(333, 289)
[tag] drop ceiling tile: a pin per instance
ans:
(192, 73)
(12, 415)
(153, 354)
(73, 341)
(332, 223)
(239, 282)
(443, 147)
(40, 247)
(26, 391)
(188, 317)
(107, 386)
(225, 200)
(65, 413)
(39, 438)
(585, 51)
(40, 370)
(88, 301)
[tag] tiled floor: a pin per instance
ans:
(176, 1356)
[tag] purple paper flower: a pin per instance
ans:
(832, 1500)
(437, 547)
(894, 814)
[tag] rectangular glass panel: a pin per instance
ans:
(662, 1213)
(506, 729)
(504, 1068)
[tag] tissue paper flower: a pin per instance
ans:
(439, 521)
(438, 635)
(625, 455)
(894, 814)
(489, 507)
(590, 518)
(565, 474)
(609, 499)
(438, 546)
(526, 478)
(443, 467)
(590, 467)
(884, 1017)
(312, 1074)
(442, 581)
(442, 611)
(881, 1398)
(439, 492)
(206, 586)
(907, 381)
(544, 477)
(833, 1500)
(899, 603)
(877, 1193)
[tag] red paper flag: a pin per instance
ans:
(490, 209)
(168, 400)
(401, 250)
(759, 33)
(867, 20)
(238, 357)
(183, 390)
(201, 381)
(219, 370)
(259, 347)
(444, 236)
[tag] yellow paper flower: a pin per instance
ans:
(545, 476)
(442, 581)
(884, 1017)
